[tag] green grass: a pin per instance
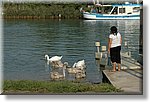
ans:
(55, 87)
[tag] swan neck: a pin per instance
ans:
(47, 57)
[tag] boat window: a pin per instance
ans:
(136, 9)
(121, 10)
(105, 9)
(115, 11)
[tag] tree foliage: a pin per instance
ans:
(42, 10)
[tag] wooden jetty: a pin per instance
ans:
(129, 82)
(129, 79)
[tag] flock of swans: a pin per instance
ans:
(78, 68)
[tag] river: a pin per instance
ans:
(27, 41)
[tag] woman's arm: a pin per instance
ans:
(109, 44)
(120, 40)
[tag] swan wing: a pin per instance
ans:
(55, 58)
(80, 63)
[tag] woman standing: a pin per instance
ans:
(114, 47)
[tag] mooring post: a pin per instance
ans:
(97, 54)
(97, 44)
(126, 44)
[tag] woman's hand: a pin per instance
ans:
(108, 50)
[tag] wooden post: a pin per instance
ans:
(126, 44)
(103, 49)
(97, 44)
(97, 54)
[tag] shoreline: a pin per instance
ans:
(39, 17)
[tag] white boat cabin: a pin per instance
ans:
(125, 9)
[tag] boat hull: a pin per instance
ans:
(96, 16)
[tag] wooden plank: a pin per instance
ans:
(130, 63)
(124, 80)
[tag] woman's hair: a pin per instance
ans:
(113, 29)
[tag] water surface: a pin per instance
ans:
(27, 41)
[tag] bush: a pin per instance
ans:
(42, 10)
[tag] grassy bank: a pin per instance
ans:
(57, 87)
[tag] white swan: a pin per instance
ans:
(80, 64)
(54, 58)
(55, 61)
(74, 69)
